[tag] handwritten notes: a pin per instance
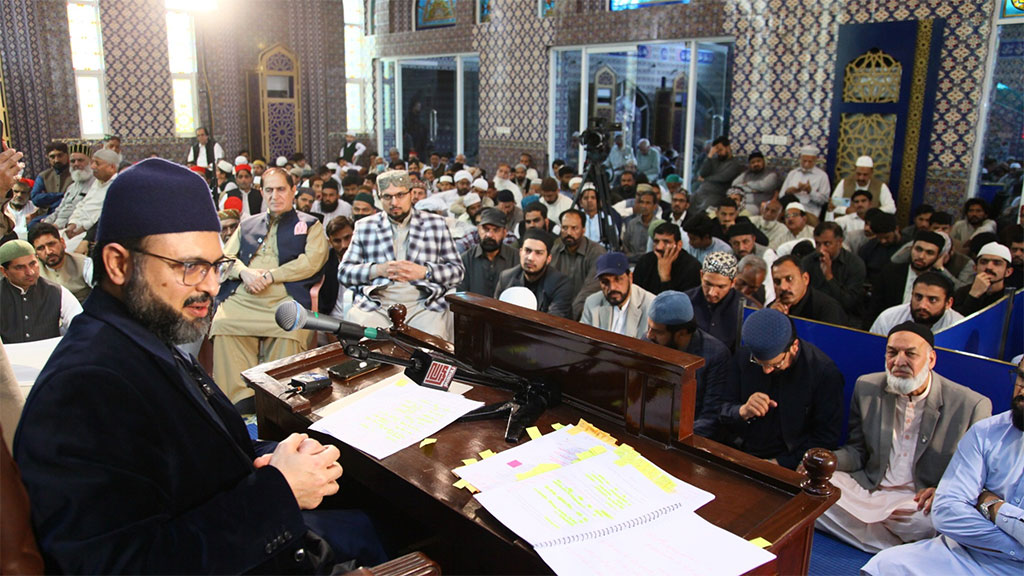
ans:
(393, 417)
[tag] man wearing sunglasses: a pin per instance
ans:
(280, 257)
(401, 256)
(133, 459)
(789, 395)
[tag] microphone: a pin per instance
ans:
(291, 316)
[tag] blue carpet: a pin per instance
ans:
(830, 557)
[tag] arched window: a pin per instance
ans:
(87, 61)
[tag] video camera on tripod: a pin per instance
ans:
(597, 141)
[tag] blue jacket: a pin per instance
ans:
(130, 469)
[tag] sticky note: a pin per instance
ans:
(427, 442)
(469, 461)
(533, 432)
(402, 382)
(461, 483)
(557, 426)
(538, 469)
(760, 542)
(486, 454)
(515, 464)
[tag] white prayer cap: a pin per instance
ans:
(520, 296)
(463, 175)
(995, 249)
(531, 174)
(810, 151)
(470, 199)
(225, 166)
(110, 157)
(865, 162)
(432, 204)
(575, 181)
(588, 186)
(281, 161)
(332, 166)
(446, 178)
(350, 133)
(520, 165)
(796, 206)
(240, 160)
(1015, 166)
(480, 184)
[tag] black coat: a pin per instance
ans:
(130, 470)
(809, 412)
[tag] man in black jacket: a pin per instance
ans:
(133, 458)
(794, 295)
(552, 288)
(993, 267)
(788, 397)
(669, 266)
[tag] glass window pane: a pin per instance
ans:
(84, 26)
(485, 11)
(567, 105)
(388, 104)
(353, 12)
(711, 112)
(633, 4)
(354, 106)
(471, 107)
(184, 106)
(180, 43)
(90, 105)
(357, 62)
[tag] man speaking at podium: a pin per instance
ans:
(134, 461)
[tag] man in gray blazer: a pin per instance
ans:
(620, 306)
(904, 427)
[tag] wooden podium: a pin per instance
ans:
(639, 392)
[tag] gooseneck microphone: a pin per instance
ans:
(291, 316)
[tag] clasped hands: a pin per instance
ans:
(256, 280)
(310, 468)
(400, 271)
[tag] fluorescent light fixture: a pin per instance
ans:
(191, 5)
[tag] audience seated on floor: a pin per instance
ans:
(904, 426)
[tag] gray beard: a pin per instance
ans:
(81, 175)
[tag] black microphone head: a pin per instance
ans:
(290, 315)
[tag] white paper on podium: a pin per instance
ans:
(391, 417)
(561, 447)
(677, 544)
(28, 358)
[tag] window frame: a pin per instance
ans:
(192, 77)
(99, 75)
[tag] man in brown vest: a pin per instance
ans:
(863, 178)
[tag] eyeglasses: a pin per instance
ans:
(774, 366)
(392, 197)
(194, 271)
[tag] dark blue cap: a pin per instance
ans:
(671, 308)
(611, 263)
(767, 333)
(156, 197)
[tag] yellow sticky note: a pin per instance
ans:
(427, 442)
(538, 469)
(486, 454)
(557, 426)
(461, 483)
(402, 382)
(598, 450)
(469, 461)
(760, 542)
(533, 432)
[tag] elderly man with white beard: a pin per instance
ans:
(81, 181)
(904, 427)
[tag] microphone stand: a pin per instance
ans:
(528, 402)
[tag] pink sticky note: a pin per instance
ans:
(515, 463)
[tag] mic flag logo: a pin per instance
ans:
(439, 375)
